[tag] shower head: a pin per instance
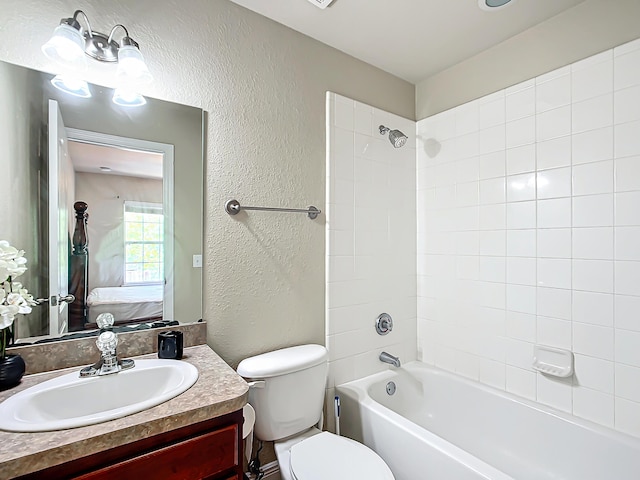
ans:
(396, 137)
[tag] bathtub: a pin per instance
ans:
(439, 426)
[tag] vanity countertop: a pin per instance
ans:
(218, 391)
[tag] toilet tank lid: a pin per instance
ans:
(283, 361)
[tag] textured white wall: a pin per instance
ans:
(586, 29)
(371, 240)
(529, 233)
(263, 86)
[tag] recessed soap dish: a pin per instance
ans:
(553, 361)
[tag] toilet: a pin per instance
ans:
(287, 392)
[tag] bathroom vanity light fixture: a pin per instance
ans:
(71, 44)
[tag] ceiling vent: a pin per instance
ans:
(321, 3)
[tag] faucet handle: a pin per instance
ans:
(105, 320)
(107, 342)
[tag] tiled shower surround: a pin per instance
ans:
(371, 239)
(528, 226)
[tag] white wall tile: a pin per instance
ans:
(593, 243)
(554, 243)
(626, 70)
(554, 183)
(626, 312)
(520, 132)
(594, 373)
(627, 278)
(521, 382)
(521, 326)
(627, 415)
(626, 105)
(492, 113)
(492, 191)
(593, 211)
(521, 243)
(493, 217)
(521, 215)
(592, 146)
(554, 303)
(593, 405)
(521, 299)
(521, 187)
(554, 272)
(528, 226)
(554, 153)
(521, 270)
(628, 382)
(555, 392)
(593, 308)
(492, 139)
(593, 275)
(593, 340)
(553, 93)
(520, 104)
(627, 139)
(492, 165)
(593, 178)
(627, 211)
(553, 123)
(627, 174)
(554, 213)
(627, 347)
(493, 242)
(627, 243)
(553, 332)
(592, 114)
(492, 269)
(521, 159)
(592, 80)
(363, 119)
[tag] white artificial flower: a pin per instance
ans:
(14, 298)
(7, 314)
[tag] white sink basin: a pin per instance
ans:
(69, 401)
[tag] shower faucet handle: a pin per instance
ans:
(384, 324)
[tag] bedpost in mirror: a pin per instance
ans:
(79, 270)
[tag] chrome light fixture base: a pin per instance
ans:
(99, 47)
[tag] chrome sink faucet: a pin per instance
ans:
(107, 343)
(390, 359)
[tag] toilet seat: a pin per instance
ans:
(328, 456)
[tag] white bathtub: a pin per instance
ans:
(439, 426)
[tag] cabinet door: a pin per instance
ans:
(196, 458)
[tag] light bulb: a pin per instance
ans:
(128, 98)
(132, 71)
(66, 46)
(71, 85)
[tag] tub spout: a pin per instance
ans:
(388, 358)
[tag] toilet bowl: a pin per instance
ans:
(287, 392)
(316, 455)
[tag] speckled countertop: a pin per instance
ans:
(218, 391)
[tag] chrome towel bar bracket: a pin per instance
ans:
(233, 207)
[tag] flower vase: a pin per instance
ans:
(12, 369)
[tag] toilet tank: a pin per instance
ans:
(294, 384)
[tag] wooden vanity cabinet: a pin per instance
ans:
(207, 450)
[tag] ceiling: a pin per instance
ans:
(412, 39)
(89, 157)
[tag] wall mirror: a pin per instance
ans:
(130, 179)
